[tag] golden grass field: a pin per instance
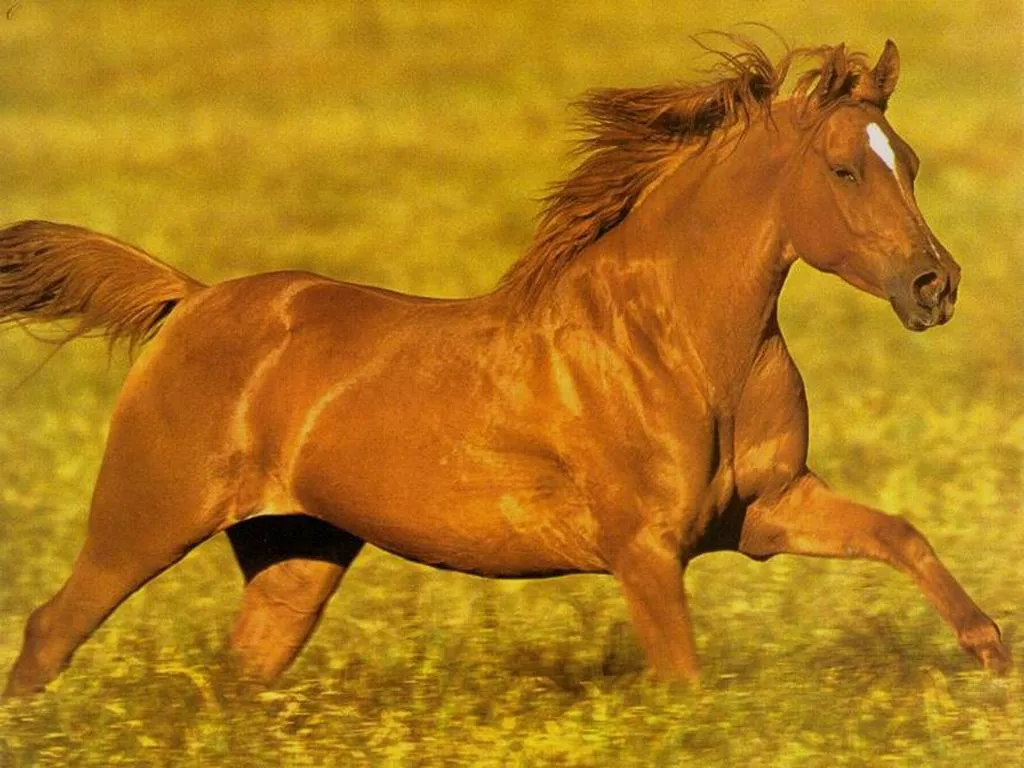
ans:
(405, 145)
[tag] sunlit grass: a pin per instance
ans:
(404, 144)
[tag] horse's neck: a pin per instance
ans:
(699, 263)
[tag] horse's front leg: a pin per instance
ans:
(811, 519)
(651, 575)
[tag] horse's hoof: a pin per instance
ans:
(986, 644)
(995, 657)
(18, 689)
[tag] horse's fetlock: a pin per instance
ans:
(984, 641)
(979, 633)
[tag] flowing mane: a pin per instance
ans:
(631, 134)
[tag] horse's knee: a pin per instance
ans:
(905, 543)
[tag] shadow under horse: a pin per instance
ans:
(621, 403)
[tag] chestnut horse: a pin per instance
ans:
(621, 403)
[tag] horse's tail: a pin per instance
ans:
(102, 286)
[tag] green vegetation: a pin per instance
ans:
(402, 146)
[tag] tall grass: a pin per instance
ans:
(404, 144)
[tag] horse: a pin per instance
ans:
(621, 403)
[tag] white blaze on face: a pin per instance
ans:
(880, 145)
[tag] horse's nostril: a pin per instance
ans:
(928, 289)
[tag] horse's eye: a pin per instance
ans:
(844, 173)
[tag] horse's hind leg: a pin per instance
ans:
(147, 512)
(114, 562)
(97, 585)
(292, 565)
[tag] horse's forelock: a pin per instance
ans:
(841, 75)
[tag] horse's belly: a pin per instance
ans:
(413, 462)
(501, 532)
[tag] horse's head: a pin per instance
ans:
(850, 206)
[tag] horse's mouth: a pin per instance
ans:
(921, 319)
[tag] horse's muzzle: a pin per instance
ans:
(931, 299)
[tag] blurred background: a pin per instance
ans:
(406, 144)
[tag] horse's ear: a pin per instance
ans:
(877, 85)
(887, 70)
(832, 76)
